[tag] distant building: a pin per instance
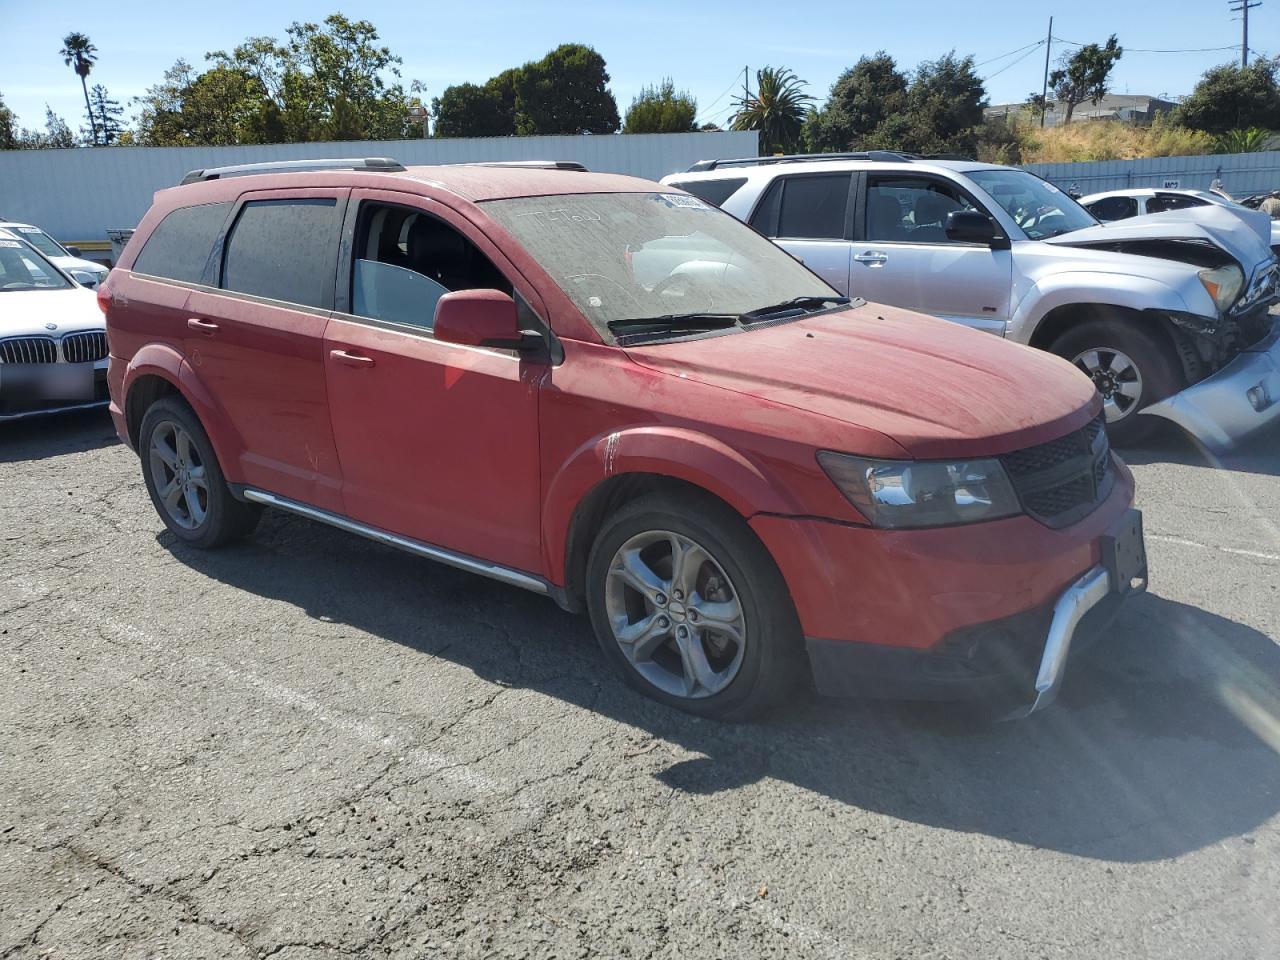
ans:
(1114, 106)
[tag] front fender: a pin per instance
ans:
(1100, 289)
(674, 452)
(162, 360)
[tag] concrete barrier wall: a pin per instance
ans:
(80, 194)
(1241, 173)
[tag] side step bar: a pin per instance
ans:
(460, 560)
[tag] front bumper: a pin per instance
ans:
(1242, 398)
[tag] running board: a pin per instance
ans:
(460, 560)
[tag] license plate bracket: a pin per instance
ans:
(1124, 554)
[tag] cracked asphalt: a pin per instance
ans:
(310, 746)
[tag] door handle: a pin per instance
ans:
(202, 326)
(351, 359)
(871, 256)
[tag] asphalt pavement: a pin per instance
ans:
(311, 746)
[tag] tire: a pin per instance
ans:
(1132, 367)
(185, 481)
(750, 666)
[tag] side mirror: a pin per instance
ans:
(481, 318)
(970, 226)
(74, 251)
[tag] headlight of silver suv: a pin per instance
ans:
(1224, 285)
(900, 494)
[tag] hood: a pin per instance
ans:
(937, 388)
(26, 312)
(78, 263)
(1247, 239)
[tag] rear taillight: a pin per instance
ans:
(104, 295)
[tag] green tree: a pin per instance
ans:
(55, 136)
(1231, 97)
(661, 109)
(104, 115)
(777, 109)
(8, 127)
(224, 105)
(1084, 74)
(79, 54)
(470, 110)
(566, 92)
(1251, 140)
(860, 100)
(944, 106)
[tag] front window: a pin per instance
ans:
(41, 241)
(1037, 206)
(626, 258)
(22, 269)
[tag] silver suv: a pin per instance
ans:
(1168, 316)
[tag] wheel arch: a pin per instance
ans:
(1059, 320)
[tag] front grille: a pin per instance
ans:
(1061, 481)
(28, 350)
(87, 347)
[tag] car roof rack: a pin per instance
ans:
(886, 155)
(531, 164)
(372, 164)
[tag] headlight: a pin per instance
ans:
(922, 493)
(1224, 284)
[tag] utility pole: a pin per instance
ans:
(746, 92)
(1243, 7)
(1044, 91)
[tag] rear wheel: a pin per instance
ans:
(185, 481)
(1130, 366)
(690, 608)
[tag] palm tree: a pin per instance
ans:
(79, 54)
(777, 110)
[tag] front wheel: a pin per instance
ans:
(1130, 366)
(691, 609)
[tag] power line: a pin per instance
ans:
(1009, 66)
(708, 107)
(1073, 43)
(1010, 53)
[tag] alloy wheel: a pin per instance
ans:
(179, 475)
(675, 614)
(1116, 377)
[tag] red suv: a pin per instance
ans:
(612, 393)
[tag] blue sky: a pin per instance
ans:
(702, 44)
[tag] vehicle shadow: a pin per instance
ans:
(1166, 738)
(54, 436)
(1260, 454)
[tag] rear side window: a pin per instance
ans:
(804, 208)
(1173, 201)
(712, 191)
(284, 250)
(1114, 208)
(179, 246)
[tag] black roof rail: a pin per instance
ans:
(372, 164)
(531, 164)
(883, 155)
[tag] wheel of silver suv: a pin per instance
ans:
(1117, 378)
(690, 608)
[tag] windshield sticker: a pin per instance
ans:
(683, 201)
(1051, 188)
(11, 243)
(28, 229)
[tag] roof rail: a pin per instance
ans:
(531, 164)
(373, 164)
(888, 155)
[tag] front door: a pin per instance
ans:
(903, 258)
(438, 442)
(807, 214)
(257, 341)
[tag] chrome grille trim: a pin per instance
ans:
(28, 350)
(85, 346)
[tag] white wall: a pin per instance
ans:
(80, 194)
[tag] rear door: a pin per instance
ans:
(438, 441)
(809, 216)
(257, 340)
(902, 256)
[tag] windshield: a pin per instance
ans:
(634, 256)
(22, 269)
(40, 240)
(1037, 206)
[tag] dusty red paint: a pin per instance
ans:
(491, 455)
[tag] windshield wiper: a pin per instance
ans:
(795, 303)
(635, 326)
